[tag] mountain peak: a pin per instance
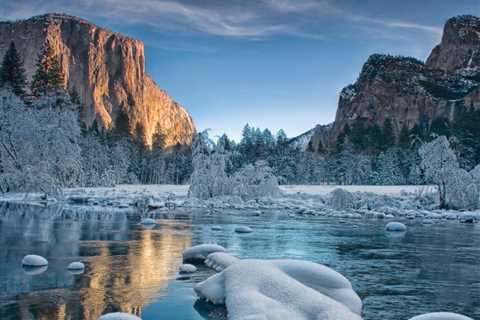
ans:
(460, 45)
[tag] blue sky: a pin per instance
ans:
(269, 63)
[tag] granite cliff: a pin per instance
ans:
(407, 91)
(107, 71)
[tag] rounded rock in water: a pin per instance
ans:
(33, 260)
(396, 227)
(243, 229)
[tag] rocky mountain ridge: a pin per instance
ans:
(408, 91)
(107, 71)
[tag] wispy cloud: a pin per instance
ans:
(243, 19)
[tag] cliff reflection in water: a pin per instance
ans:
(126, 266)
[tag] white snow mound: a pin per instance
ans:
(396, 227)
(441, 316)
(32, 260)
(119, 316)
(200, 252)
(219, 261)
(77, 265)
(282, 289)
(187, 268)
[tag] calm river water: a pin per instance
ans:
(434, 267)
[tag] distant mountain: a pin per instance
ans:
(313, 139)
(107, 71)
(410, 92)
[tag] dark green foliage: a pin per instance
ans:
(387, 138)
(49, 75)
(12, 72)
(404, 137)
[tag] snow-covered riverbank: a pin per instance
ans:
(377, 202)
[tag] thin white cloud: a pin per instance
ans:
(247, 19)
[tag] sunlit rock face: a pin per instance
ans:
(107, 70)
(408, 91)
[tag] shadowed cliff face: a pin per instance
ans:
(107, 70)
(407, 91)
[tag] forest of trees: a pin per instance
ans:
(44, 144)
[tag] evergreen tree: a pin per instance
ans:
(12, 72)
(387, 138)
(404, 137)
(49, 75)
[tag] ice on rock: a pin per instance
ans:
(119, 316)
(396, 227)
(77, 265)
(32, 260)
(282, 289)
(218, 261)
(187, 268)
(441, 316)
(243, 229)
(200, 252)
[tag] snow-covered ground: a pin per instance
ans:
(324, 189)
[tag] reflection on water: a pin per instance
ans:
(133, 269)
(126, 266)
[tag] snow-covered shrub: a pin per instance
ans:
(462, 191)
(210, 179)
(341, 199)
(39, 144)
(255, 181)
(456, 187)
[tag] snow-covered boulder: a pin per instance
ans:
(187, 268)
(77, 265)
(200, 252)
(243, 229)
(396, 227)
(468, 217)
(282, 289)
(220, 260)
(119, 316)
(32, 260)
(441, 316)
(147, 221)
